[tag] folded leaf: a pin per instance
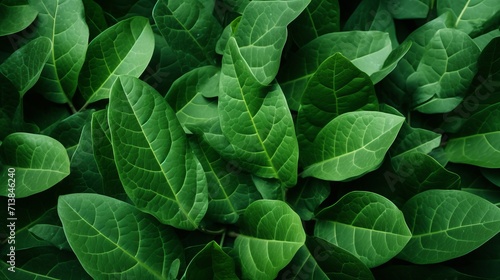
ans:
(102, 230)
(447, 224)
(158, 170)
(40, 162)
(351, 145)
(63, 22)
(132, 41)
(366, 224)
(271, 234)
(256, 120)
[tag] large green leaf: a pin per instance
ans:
(320, 260)
(132, 42)
(16, 16)
(158, 170)
(102, 230)
(318, 18)
(444, 72)
(271, 234)
(478, 142)
(211, 263)
(256, 121)
(447, 224)
(472, 16)
(365, 224)
(409, 9)
(351, 145)
(230, 189)
(39, 162)
(189, 25)
(24, 66)
(63, 22)
(335, 88)
(367, 50)
(261, 35)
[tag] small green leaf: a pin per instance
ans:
(102, 230)
(351, 145)
(271, 234)
(256, 121)
(409, 9)
(211, 263)
(132, 41)
(24, 66)
(366, 224)
(447, 224)
(167, 181)
(52, 234)
(307, 196)
(39, 161)
(16, 16)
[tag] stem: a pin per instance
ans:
(233, 234)
(222, 239)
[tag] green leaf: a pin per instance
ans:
(16, 16)
(39, 161)
(256, 121)
(318, 259)
(269, 188)
(68, 131)
(94, 16)
(24, 66)
(351, 145)
(63, 22)
(366, 224)
(102, 230)
(230, 189)
(409, 9)
(410, 140)
(367, 50)
(472, 16)
(168, 181)
(52, 234)
(318, 18)
(444, 72)
(262, 34)
(447, 224)
(335, 88)
(132, 41)
(478, 142)
(391, 62)
(307, 196)
(491, 175)
(190, 26)
(483, 40)
(271, 234)
(211, 263)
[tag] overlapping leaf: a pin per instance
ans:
(256, 121)
(158, 170)
(472, 16)
(365, 224)
(16, 16)
(211, 263)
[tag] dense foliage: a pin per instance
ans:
(288, 139)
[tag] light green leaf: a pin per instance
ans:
(230, 189)
(133, 42)
(483, 40)
(16, 16)
(366, 224)
(63, 22)
(211, 263)
(256, 121)
(478, 142)
(269, 188)
(318, 18)
(335, 88)
(307, 196)
(391, 62)
(52, 234)
(367, 50)
(39, 161)
(472, 16)
(409, 9)
(271, 234)
(444, 72)
(320, 260)
(262, 33)
(168, 181)
(24, 66)
(102, 230)
(351, 145)
(447, 224)
(189, 26)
